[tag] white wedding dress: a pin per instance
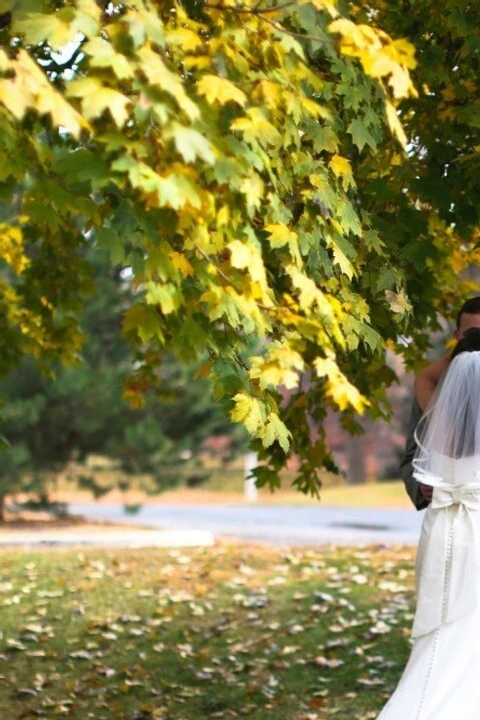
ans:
(442, 678)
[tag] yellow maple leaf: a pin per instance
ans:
(223, 216)
(31, 89)
(325, 5)
(4, 62)
(403, 52)
(345, 395)
(315, 109)
(395, 124)
(252, 187)
(269, 91)
(280, 368)
(255, 126)
(13, 98)
(342, 392)
(12, 248)
(90, 7)
(280, 235)
(398, 302)
(256, 269)
(249, 411)
(220, 90)
(157, 73)
(185, 38)
(181, 263)
(240, 254)
(340, 165)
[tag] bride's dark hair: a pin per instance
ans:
(469, 342)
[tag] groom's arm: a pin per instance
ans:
(427, 380)
(406, 469)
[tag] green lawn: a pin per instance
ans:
(233, 631)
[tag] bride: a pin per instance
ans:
(442, 678)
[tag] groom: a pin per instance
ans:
(425, 383)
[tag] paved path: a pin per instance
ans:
(130, 538)
(281, 525)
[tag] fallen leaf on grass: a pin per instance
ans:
(328, 662)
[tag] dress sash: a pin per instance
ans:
(446, 587)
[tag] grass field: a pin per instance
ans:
(233, 631)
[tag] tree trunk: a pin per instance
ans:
(356, 460)
(2, 507)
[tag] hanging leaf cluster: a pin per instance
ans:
(217, 150)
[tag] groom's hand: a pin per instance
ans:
(426, 491)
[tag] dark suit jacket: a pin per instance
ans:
(406, 470)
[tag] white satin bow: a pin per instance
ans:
(446, 568)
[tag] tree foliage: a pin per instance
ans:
(430, 204)
(246, 162)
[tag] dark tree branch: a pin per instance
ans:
(250, 11)
(5, 20)
(292, 33)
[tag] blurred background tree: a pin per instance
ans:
(78, 411)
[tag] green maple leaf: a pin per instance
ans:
(96, 98)
(38, 27)
(142, 321)
(110, 240)
(360, 135)
(167, 296)
(191, 144)
(102, 54)
(275, 429)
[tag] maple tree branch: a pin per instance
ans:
(240, 361)
(250, 11)
(219, 270)
(5, 20)
(224, 276)
(279, 28)
(302, 36)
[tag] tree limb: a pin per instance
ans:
(5, 20)
(250, 11)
